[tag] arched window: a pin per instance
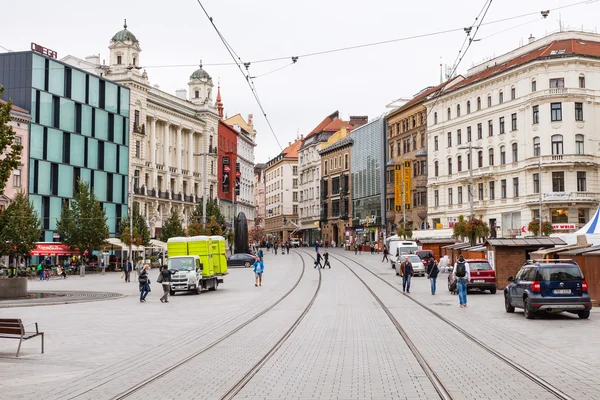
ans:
(197, 94)
(536, 146)
(582, 81)
(469, 107)
(491, 157)
(119, 60)
(489, 100)
(449, 166)
(435, 118)
(502, 155)
(436, 168)
(579, 144)
(458, 110)
(533, 85)
(478, 103)
(557, 144)
(134, 61)
(449, 113)
(501, 97)
(480, 159)
(515, 152)
(459, 163)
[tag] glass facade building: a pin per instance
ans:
(368, 167)
(79, 130)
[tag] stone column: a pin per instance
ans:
(178, 156)
(166, 160)
(191, 160)
(153, 155)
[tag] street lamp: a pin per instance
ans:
(205, 182)
(470, 148)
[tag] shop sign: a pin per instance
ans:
(563, 227)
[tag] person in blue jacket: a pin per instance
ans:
(259, 268)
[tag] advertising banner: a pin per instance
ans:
(226, 168)
(398, 188)
(238, 175)
(407, 177)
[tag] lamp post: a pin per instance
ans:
(540, 185)
(131, 187)
(205, 181)
(470, 148)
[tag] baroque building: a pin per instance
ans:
(18, 179)
(523, 124)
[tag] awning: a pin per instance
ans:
(116, 244)
(157, 244)
(53, 249)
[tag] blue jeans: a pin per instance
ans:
(461, 284)
(41, 275)
(406, 283)
(433, 285)
(144, 292)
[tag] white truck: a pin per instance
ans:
(187, 275)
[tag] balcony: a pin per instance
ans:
(139, 190)
(141, 129)
(189, 199)
(344, 216)
(164, 195)
(323, 217)
(153, 193)
(178, 197)
(560, 197)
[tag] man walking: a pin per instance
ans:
(318, 260)
(406, 272)
(326, 260)
(164, 278)
(385, 254)
(462, 276)
(259, 268)
(432, 273)
(128, 267)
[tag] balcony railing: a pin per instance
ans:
(153, 193)
(570, 196)
(141, 129)
(163, 195)
(178, 197)
(189, 199)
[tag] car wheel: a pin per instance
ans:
(493, 291)
(529, 314)
(393, 265)
(247, 264)
(584, 314)
(507, 306)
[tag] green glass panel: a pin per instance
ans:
(110, 97)
(126, 138)
(100, 178)
(85, 175)
(67, 115)
(31, 175)
(36, 144)
(86, 120)
(48, 236)
(111, 217)
(33, 105)
(46, 114)
(55, 206)
(55, 146)
(37, 203)
(124, 102)
(123, 160)
(56, 79)
(77, 150)
(94, 91)
(43, 177)
(92, 152)
(101, 124)
(78, 86)
(65, 181)
(118, 188)
(38, 76)
(110, 157)
(118, 129)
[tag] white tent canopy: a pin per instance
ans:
(591, 232)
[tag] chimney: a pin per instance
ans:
(290, 143)
(181, 93)
(250, 117)
(531, 39)
(359, 120)
(94, 59)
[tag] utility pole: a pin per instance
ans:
(470, 161)
(540, 186)
(131, 222)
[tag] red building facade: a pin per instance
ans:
(227, 159)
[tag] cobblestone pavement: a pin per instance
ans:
(345, 348)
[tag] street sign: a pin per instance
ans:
(226, 169)
(238, 174)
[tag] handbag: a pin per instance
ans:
(122, 275)
(159, 279)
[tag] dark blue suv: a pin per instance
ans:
(549, 286)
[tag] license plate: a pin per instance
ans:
(561, 291)
(478, 281)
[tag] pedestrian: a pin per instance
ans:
(317, 246)
(260, 254)
(355, 248)
(164, 278)
(333, 244)
(40, 270)
(287, 247)
(318, 260)
(372, 248)
(432, 274)
(127, 270)
(259, 268)
(144, 281)
(275, 248)
(326, 259)
(385, 254)
(406, 272)
(462, 276)
(443, 263)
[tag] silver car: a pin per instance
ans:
(417, 263)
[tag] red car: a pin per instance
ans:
(424, 255)
(483, 277)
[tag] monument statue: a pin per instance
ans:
(241, 234)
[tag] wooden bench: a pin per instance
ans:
(14, 329)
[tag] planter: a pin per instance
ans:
(13, 288)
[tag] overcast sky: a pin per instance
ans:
(297, 98)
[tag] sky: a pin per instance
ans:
(176, 35)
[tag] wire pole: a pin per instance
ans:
(131, 223)
(540, 186)
(204, 183)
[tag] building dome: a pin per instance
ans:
(124, 35)
(200, 74)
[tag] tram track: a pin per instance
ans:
(523, 371)
(165, 371)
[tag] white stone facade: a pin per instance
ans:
(259, 195)
(309, 168)
(245, 156)
(544, 110)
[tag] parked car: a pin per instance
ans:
(295, 242)
(240, 259)
(483, 277)
(548, 286)
(417, 264)
(424, 255)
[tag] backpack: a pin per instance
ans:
(461, 269)
(143, 279)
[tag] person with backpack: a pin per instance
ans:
(462, 276)
(406, 272)
(260, 254)
(144, 281)
(385, 254)
(259, 268)
(432, 273)
(326, 259)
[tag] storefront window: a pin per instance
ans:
(560, 215)
(583, 215)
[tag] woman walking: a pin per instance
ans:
(259, 268)
(164, 278)
(144, 281)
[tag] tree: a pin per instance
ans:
(21, 227)
(10, 158)
(534, 227)
(213, 228)
(139, 225)
(212, 210)
(130, 239)
(256, 234)
(82, 223)
(404, 231)
(172, 227)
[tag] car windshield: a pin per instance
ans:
(426, 254)
(479, 266)
(560, 274)
(181, 264)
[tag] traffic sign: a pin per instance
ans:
(226, 169)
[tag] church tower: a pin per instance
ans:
(201, 86)
(219, 102)
(125, 52)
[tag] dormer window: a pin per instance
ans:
(119, 60)
(197, 94)
(134, 61)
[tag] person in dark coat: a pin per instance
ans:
(318, 260)
(432, 273)
(144, 281)
(165, 280)
(326, 260)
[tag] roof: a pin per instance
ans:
(545, 252)
(347, 141)
(15, 108)
(435, 241)
(292, 149)
(576, 252)
(556, 49)
(200, 74)
(124, 35)
(421, 97)
(332, 123)
(456, 246)
(528, 241)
